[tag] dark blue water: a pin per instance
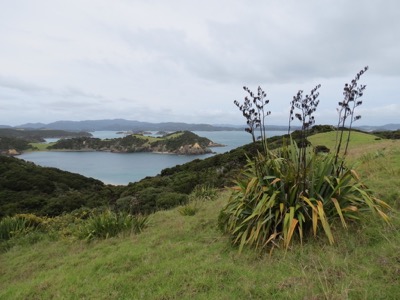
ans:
(122, 168)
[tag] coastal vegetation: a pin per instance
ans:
(14, 141)
(182, 142)
(27, 188)
(12, 145)
(39, 135)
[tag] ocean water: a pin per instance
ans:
(122, 168)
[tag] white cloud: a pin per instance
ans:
(188, 60)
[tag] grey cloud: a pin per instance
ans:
(337, 44)
(185, 62)
(22, 86)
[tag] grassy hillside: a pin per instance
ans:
(357, 139)
(186, 257)
(377, 160)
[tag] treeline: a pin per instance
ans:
(393, 135)
(38, 135)
(7, 143)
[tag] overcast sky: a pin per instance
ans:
(187, 61)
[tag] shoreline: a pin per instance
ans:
(110, 151)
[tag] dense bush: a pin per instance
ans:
(394, 135)
(7, 143)
(20, 224)
(38, 135)
(27, 188)
(169, 200)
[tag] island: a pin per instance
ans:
(181, 142)
(15, 141)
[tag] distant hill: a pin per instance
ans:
(380, 128)
(38, 135)
(121, 124)
(132, 125)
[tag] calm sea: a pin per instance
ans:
(122, 168)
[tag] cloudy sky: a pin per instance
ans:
(186, 61)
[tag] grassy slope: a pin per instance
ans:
(180, 257)
(358, 139)
(40, 146)
(378, 161)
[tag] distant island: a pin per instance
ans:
(181, 142)
(39, 135)
(135, 126)
(124, 125)
(14, 141)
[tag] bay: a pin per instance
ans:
(122, 168)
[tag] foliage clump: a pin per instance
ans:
(109, 224)
(85, 224)
(294, 191)
(200, 193)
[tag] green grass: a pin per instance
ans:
(153, 139)
(181, 257)
(357, 139)
(377, 161)
(149, 139)
(173, 135)
(41, 146)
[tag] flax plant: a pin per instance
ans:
(253, 109)
(305, 106)
(108, 224)
(351, 94)
(294, 192)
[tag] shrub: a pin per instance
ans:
(171, 199)
(10, 226)
(18, 225)
(127, 204)
(272, 206)
(108, 224)
(203, 192)
(189, 209)
(295, 191)
(31, 220)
